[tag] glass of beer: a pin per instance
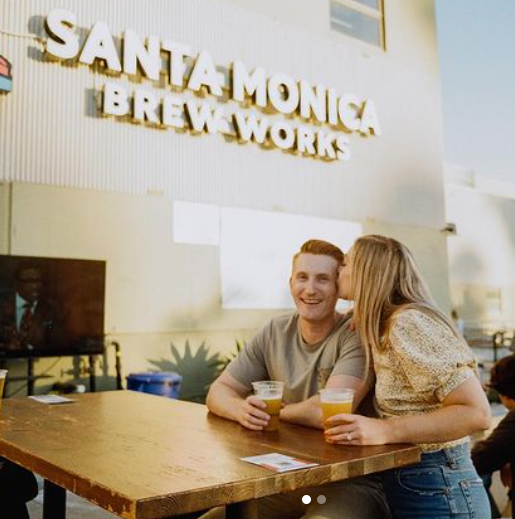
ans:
(271, 393)
(335, 401)
(3, 376)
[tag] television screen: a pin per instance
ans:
(51, 306)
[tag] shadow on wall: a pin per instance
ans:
(507, 215)
(79, 372)
(483, 270)
(469, 299)
(68, 372)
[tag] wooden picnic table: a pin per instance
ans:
(148, 457)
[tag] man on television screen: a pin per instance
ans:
(28, 319)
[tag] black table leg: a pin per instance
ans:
(30, 376)
(244, 510)
(54, 501)
(92, 379)
(193, 515)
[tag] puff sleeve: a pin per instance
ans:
(434, 360)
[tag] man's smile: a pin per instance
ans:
(311, 301)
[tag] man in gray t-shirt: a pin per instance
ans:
(279, 352)
(314, 347)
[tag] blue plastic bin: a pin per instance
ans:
(163, 383)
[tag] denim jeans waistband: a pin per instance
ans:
(449, 455)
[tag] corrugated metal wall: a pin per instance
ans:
(50, 130)
(159, 291)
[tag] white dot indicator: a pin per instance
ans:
(306, 499)
(321, 500)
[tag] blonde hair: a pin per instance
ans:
(385, 279)
(320, 247)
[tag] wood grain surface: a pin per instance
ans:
(148, 457)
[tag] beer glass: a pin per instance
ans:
(335, 401)
(271, 393)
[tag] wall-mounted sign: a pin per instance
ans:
(246, 105)
(6, 79)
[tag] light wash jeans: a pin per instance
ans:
(444, 485)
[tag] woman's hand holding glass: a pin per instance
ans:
(353, 429)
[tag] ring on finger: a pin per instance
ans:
(349, 437)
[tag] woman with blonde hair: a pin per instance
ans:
(426, 389)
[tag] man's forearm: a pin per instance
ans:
(446, 424)
(307, 413)
(223, 401)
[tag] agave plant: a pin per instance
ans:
(198, 370)
(223, 361)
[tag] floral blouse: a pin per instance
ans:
(420, 366)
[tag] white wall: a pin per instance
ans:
(482, 256)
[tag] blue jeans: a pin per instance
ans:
(444, 485)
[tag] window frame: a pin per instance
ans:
(377, 14)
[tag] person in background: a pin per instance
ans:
(426, 389)
(497, 452)
(18, 486)
(308, 350)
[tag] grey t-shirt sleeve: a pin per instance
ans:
(250, 365)
(351, 359)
